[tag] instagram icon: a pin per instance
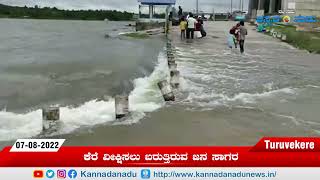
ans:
(61, 173)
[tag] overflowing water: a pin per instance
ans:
(273, 89)
(271, 78)
(145, 97)
(81, 84)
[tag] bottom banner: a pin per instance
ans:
(160, 173)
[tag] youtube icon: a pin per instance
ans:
(38, 174)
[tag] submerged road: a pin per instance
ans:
(225, 98)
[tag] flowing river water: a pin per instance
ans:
(225, 98)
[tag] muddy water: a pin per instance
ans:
(225, 98)
(71, 64)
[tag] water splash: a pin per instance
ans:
(145, 97)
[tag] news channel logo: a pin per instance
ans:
(72, 174)
(50, 174)
(286, 19)
(145, 174)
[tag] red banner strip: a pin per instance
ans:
(289, 155)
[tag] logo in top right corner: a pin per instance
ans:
(286, 19)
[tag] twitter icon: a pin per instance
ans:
(50, 174)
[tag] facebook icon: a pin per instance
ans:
(72, 174)
(145, 174)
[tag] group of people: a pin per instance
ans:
(237, 36)
(191, 27)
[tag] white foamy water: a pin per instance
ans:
(313, 86)
(223, 78)
(145, 97)
(261, 86)
(213, 99)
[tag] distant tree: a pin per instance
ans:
(54, 13)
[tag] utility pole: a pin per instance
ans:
(242, 6)
(214, 15)
(231, 6)
(197, 7)
(285, 7)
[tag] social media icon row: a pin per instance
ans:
(72, 174)
(61, 174)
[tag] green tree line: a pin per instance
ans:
(54, 13)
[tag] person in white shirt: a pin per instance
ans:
(191, 26)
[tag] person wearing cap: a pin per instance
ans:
(200, 19)
(202, 31)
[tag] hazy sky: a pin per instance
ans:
(128, 5)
